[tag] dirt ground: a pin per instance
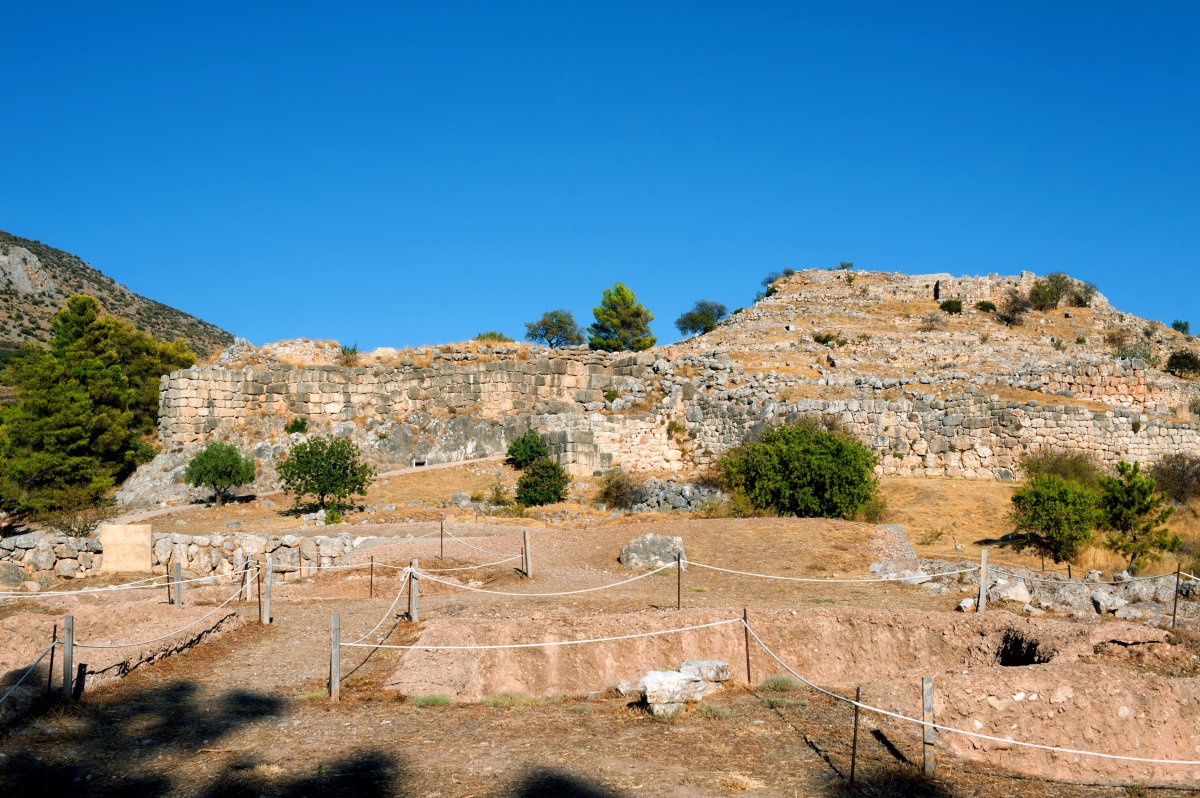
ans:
(246, 713)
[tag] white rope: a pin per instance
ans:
(387, 614)
(168, 634)
(963, 732)
(28, 671)
(553, 643)
(546, 595)
(138, 585)
(470, 567)
(814, 579)
(472, 545)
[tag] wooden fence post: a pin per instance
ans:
(371, 587)
(68, 663)
(528, 560)
(245, 594)
(746, 637)
(854, 743)
(268, 578)
(335, 658)
(1175, 604)
(678, 581)
(50, 670)
(442, 540)
(414, 613)
(981, 603)
(927, 716)
(177, 584)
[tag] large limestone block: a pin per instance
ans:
(127, 548)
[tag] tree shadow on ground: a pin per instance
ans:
(114, 746)
(556, 784)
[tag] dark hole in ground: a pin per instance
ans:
(1016, 650)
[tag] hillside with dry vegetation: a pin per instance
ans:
(35, 280)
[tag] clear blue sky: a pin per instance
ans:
(404, 173)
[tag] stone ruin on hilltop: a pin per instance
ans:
(965, 399)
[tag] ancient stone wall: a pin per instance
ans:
(45, 557)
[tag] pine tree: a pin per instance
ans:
(621, 323)
(1135, 512)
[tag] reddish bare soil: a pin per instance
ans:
(245, 713)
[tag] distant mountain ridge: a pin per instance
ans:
(35, 280)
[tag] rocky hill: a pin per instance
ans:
(35, 279)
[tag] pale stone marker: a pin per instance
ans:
(127, 548)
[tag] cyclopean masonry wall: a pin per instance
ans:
(46, 557)
(644, 413)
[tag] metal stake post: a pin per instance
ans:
(335, 658)
(68, 663)
(981, 604)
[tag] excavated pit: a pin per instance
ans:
(995, 674)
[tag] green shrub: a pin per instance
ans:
(348, 356)
(621, 491)
(1078, 467)
(799, 469)
(1053, 516)
(779, 684)
(1082, 294)
(826, 338)
(526, 449)
(493, 335)
(325, 468)
(297, 424)
(951, 306)
(1181, 326)
(1012, 312)
(1178, 475)
(219, 466)
(498, 496)
(430, 701)
(1184, 363)
(1194, 406)
(612, 395)
(543, 482)
(1139, 350)
(985, 307)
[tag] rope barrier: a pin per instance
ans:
(963, 732)
(547, 595)
(140, 584)
(169, 634)
(472, 545)
(387, 614)
(470, 567)
(552, 643)
(814, 579)
(28, 671)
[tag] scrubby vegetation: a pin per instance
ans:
(702, 318)
(1073, 466)
(951, 306)
(526, 449)
(801, 469)
(985, 307)
(1183, 363)
(1178, 476)
(299, 424)
(542, 482)
(493, 336)
(621, 491)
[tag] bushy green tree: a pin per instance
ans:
(1183, 363)
(83, 408)
(527, 448)
(1050, 290)
(219, 466)
(542, 482)
(331, 470)
(1055, 517)
(621, 323)
(702, 318)
(1181, 326)
(1135, 512)
(556, 328)
(800, 469)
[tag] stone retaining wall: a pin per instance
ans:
(45, 557)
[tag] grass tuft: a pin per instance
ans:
(429, 701)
